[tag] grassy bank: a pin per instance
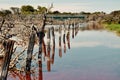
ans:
(113, 27)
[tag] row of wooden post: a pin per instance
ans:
(8, 45)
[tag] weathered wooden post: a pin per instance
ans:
(8, 46)
(53, 47)
(40, 35)
(76, 29)
(29, 54)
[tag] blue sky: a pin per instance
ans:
(67, 5)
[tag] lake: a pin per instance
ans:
(86, 55)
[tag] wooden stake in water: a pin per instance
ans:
(8, 46)
(30, 50)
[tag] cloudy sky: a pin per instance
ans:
(67, 5)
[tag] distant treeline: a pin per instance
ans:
(28, 9)
(113, 17)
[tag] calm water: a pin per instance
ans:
(93, 55)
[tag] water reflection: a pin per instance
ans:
(64, 39)
(60, 46)
(68, 39)
(47, 49)
(53, 47)
(40, 71)
(73, 30)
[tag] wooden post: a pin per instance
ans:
(76, 29)
(30, 51)
(8, 45)
(44, 21)
(40, 35)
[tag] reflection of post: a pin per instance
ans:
(53, 48)
(68, 37)
(19, 75)
(40, 71)
(60, 48)
(64, 42)
(28, 76)
(76, 29)
(48, 51)
(73, 30)
(44, 48)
